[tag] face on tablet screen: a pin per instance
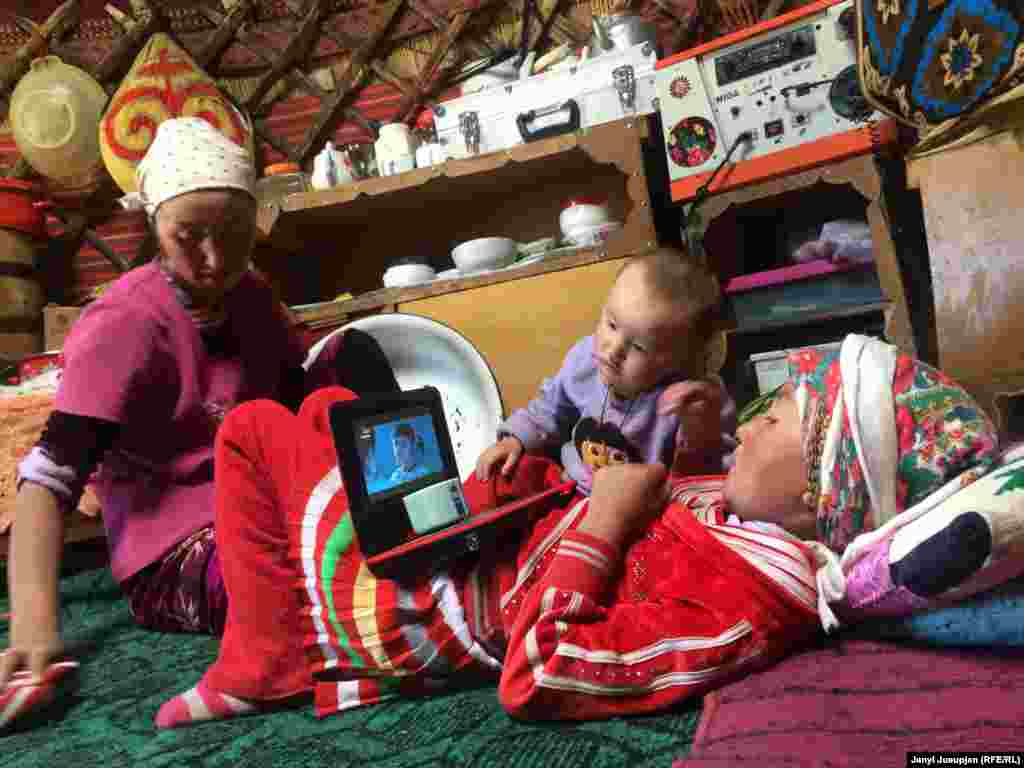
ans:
(398, 451)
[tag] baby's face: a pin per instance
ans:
(640, 338)
(404, 454)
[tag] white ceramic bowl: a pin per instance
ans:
(408, 274)
(594, 234)
(424, 352)
(485, 253)
(582, 213)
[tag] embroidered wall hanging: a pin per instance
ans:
(941, 65)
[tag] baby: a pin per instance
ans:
(634, 391)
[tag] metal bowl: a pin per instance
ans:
(425, 352)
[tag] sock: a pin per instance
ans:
(946, 558)
(362, 366)
(198, 704)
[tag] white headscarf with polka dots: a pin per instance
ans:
(189, 154)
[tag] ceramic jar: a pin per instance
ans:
(429, 150)
(280, 180)
(580, 213)
(430, 154)
(395, 149)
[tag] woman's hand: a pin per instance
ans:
(698, 404)
(505, 452)
(624, 500)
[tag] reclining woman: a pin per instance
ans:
(645, 594)
(150, 370)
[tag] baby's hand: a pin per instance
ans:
(507, 450)
(698, 404)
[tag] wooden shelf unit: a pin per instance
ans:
(326, 243)
(326, 314)
(862, 175)
(522, 320)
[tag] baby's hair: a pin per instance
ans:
(675, 276)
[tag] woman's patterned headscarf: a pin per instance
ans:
(881, 432)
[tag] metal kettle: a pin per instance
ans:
(620, 32)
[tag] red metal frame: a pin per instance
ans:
(746, 34)
(840, 146)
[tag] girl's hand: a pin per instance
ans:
(35, 644)
(37, 540)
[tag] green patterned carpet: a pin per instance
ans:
(127, 673)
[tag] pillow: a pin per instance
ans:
(857, 703)
(164, 82)
(957, 542)
(992, 619)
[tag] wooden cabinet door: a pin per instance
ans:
(972, 206)
(524, 328)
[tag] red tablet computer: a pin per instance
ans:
(405, 497)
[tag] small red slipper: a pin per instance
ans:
(21, 696)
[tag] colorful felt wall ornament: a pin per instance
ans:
(164, 82)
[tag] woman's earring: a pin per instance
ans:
(716, 350)
(816, 430)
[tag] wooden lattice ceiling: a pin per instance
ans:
(262, 49)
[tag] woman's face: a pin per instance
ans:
(206, 240)
(768, 479)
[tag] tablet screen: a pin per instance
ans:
(399, 452)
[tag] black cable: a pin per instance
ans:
(803, 89)
(704, 188)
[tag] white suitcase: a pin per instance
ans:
(609, 87)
